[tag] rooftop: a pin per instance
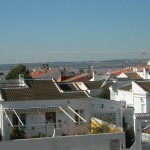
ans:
(97, 84)
(126, 88)
(40, 90)
(145, 85)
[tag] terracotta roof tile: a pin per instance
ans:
(117, 73)
(79, 78)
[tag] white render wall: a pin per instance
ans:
(35, 118)
(85, 142)
(0, 118)
(148, 103)
(139, 99)
(113, 95)
(122, 75)
(114, 89)
(108, 107)
(126, 96)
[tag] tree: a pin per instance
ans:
(89, 70)
(81, 71)
(44, 66)
(16, 133)
(20, 69)
(130, 137)
(105, 93)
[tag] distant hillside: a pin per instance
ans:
(83, 64)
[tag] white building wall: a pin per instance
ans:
(126, 96)
(122, 75)
(35, 119)
(148, 103)
(137, 89)
(0, 118)
(139, 99)
(136, 69)
(115, 141)
(114, 95)
(115, 88)
(139, 104)
(112, 109)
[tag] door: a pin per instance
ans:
(50, 120)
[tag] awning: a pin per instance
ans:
(35, 109)
(39, 110)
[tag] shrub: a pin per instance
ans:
(17, 133)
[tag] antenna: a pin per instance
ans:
(143, 52)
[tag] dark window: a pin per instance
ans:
(50, 117)
(15, 120)
(23, 118)
(78, 120)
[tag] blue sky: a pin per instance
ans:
(73, 30)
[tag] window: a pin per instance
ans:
(23, 118)
(78, 120)
(50, 117)
(16, 120)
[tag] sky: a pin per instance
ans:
(73, 30)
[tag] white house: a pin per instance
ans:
(108, 109)
(122, 91)
(141, 96)
(44, 107)
(135, 94)
(40, 106)
(116, 93)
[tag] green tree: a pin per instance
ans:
(105, 93)
(89, 70)
(20, 69)
(81, 71)
(16, 133)
(44, 66)
(130, 137)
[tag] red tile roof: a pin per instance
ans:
(79, 78)
(38, 73)
(117, 73)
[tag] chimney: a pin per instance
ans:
(21, 80)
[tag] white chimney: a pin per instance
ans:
(21, 80)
